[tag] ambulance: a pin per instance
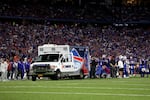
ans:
(61, 61)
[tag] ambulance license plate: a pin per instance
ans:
(40, 75)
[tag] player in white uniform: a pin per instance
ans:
(3, 67)
(121, 66)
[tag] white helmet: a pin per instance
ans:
(124, 57)
(120, 57)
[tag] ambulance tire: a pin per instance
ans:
(33, 78)
(81, 76)
(52, 77)
(57, 75)
(71, 77)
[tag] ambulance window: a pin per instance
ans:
(49, 57)
(53, 49)
(69, 58)
(65, 48)
(62, 60)
(41, 49)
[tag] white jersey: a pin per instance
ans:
(120, 64)
(3, 66)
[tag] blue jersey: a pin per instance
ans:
(20, 66)
(99, 70)
(27, 66)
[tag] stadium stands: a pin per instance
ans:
(20, 34)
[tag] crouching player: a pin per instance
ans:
(106, 72)
(102, 71)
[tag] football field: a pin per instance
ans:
(86, 89)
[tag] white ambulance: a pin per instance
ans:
(60, 61)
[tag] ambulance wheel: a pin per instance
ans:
(71, 77)
(57, 75)
(33, 78)
(81, 76)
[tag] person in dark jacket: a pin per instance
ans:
(113, 66)
(93, 68)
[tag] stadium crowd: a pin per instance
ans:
(23, 40)
(110, 40)
(20, 40)
(67, 11)
(131, 13)
(53, 11)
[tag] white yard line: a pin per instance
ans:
(75, 84)
(74, 93)
(75, 87)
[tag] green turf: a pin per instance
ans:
(86, 89)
